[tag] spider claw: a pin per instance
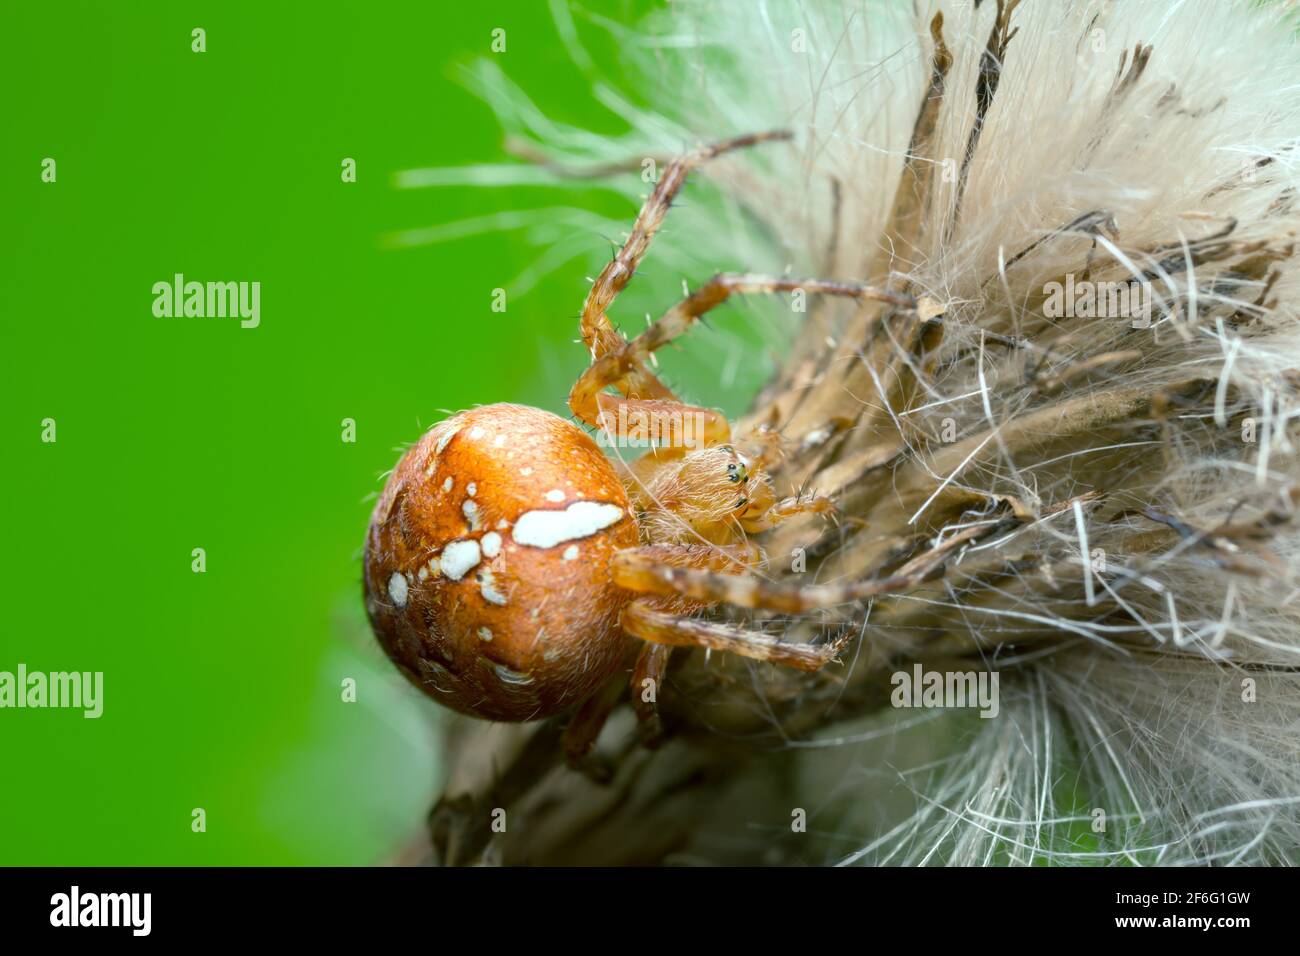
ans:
(833, 649)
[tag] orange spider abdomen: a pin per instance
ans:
(487, 563)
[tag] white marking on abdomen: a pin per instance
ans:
(459, 558)
(509, 676)
(546, 529)
(488, 588)
(445, 439)
(397, 589)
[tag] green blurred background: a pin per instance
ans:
(223, 689)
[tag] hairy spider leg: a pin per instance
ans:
(652, 659)
(588, 400)
(647, 680)
(581, 733)
(786, 509)
(638, 569)
(641, 619)
(598, 332)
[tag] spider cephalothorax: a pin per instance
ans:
(509, 561)
(699, 497)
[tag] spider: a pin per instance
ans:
(512, 568)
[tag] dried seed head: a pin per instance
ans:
(999, 159)
(487, 563)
